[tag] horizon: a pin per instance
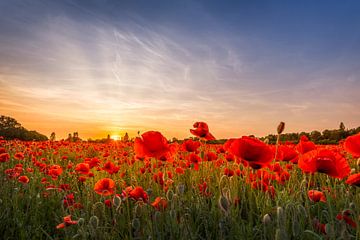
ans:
(109, 67)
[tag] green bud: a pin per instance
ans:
(94, 222)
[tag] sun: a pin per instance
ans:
(115, 137)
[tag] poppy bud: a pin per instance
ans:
(117, 202)
(169, 195)
(280, 216)
(281, 127)
(137, 211)
(81, 221)
(224, 204)
(181, 189)
(266, 220)
(94, 222)
(136, 224)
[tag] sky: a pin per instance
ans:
(110, 67)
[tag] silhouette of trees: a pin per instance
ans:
(12, 129)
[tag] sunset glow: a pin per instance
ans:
(100, 68)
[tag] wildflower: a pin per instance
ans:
(190, 145)
(19, 156)
(354, 180)
(4, 157)
(151, 144)
(352, 145)
(66, 222)
(159, 203)
(105, 187)
(346, 216)
(316, 196)
(253, 151)
(82, 168)
(138, 193)
(324, 161)
(23, 179)
(305, 145)
(202, 131)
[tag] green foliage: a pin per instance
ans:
(326, 137)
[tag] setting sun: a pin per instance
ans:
(115, 137)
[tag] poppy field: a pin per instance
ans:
(151, 188)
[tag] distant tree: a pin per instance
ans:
(11, 129)
(52, 136)
(315, 136)
(69, 138)
(8, 123)
(342, 126)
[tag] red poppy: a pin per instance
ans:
(195, 160)
(111, 168)
(202, 131)
(4, 157)
(23, 179)
(138, 193)
(190, 145)
(151, 144)
(354, 180)
(287, 154)
(105, 187)
(228, 172)
(324, 161)
(316, 196)
(159, 203)
(19, 156)
(2, 150)
(252, 150)
(210, 156)
(346, 216)
(69, 200)
(305, 145)
(82, 168)
(352, 145)
(54, 171)
(66, 222)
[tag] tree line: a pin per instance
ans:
(12, 129)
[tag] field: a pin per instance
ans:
(153, 189)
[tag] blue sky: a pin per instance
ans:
(101, 67)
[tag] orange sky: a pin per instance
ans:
(242, 68)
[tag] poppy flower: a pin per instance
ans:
(138, 193)
(23, 179)
(229, 172)
(54, 171)
(253, 151)
(190, 145)
(202, 131)
(346, 217)
(159, 204)
(66, 222)
(110, 167)
(19, 156)
(287, 154)
(151, 144)
(305, 145)
(105, 187)
(210, 156)
(316, 196)
(352, 145)
(82, 168)
(324, 161)
(4, 157)
(354, 180)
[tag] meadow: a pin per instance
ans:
(150, 188)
